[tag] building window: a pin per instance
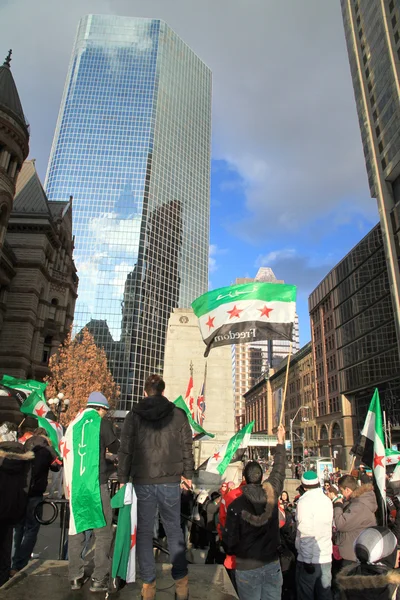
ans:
(323, 435)
(336, 431)
(396, 37)
(52, 309)
(394, 21)
(391, 6)
(47, 349)
(384, 164)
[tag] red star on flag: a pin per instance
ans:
(216, 456)
(235, 312)
(58, 425)
(133, 539)
(67, 489)
(41, 411)
(65, 451)
(378, 461)
(265, 311)
(210, 322)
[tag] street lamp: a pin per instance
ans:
(291, 428)
(60, 403)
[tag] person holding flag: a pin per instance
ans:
(83, 448)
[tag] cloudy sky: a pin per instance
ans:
(289, 188)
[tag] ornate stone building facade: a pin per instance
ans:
(38, 280)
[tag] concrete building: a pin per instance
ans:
(133, 146)
(251, 362)
(258, 406)
(300, 405)
(185, 347)
(354, 340)
(372, 29)
(38, 301)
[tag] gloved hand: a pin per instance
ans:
(309, 568)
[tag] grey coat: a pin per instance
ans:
(352, 518)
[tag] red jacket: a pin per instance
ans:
(227, 499)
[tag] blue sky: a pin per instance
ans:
(289, 187)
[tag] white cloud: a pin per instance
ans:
(120, 234)
(284, 114)
(118, 281)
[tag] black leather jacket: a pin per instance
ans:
(156, 444)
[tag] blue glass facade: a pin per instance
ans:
(132, 146)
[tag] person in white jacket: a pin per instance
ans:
(314, 516)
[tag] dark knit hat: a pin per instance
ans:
(374, 543)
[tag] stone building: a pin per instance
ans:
(258, 406)
(38, 280)
(184, 352)
(14, 148)
(300, 405)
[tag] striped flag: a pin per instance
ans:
(34, 405)
(197, 430)
(80, 450)
(189, 397)
(218, 462)
(201, 407)
(392, 457)
(25, 385)
(374, 454)
(124, 556)
(246, 313)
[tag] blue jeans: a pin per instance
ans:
(314, 585)
(167, 498)
(25, 535)
(264, 583)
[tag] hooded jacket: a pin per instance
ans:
(251, 531)
(156, 444)
(15, 476)
(314, 517)
(368, 582)
(352, 518)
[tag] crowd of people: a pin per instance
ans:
(324, 543)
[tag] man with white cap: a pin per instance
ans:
(104, 437)
(314, 515)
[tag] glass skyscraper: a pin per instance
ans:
(132, 146)
(372, 29)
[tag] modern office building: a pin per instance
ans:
(372, 29)
(132, 145)
(250, 362)
(354, 343)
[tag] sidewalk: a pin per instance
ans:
(48, 580)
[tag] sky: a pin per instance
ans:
(288, 187)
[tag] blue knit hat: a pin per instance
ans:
(97, 400)
(310, 479)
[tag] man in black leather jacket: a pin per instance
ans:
(156, 454)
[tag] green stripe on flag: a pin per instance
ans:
(29, 405)
(375, 407)
(268, 292)
(86, 502)
(51, 432)
(234, 443)
(180, 403)
(30, 385)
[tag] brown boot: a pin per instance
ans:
(182, 588)
(149, 591)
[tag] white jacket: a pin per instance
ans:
(314, 516)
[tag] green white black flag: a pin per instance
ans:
(80, 449)
(246, 313)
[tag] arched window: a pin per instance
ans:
(52, 309)
(336, 431)
(323, 435)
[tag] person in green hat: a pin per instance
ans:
(314, 516)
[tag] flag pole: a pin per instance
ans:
(286, 383)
